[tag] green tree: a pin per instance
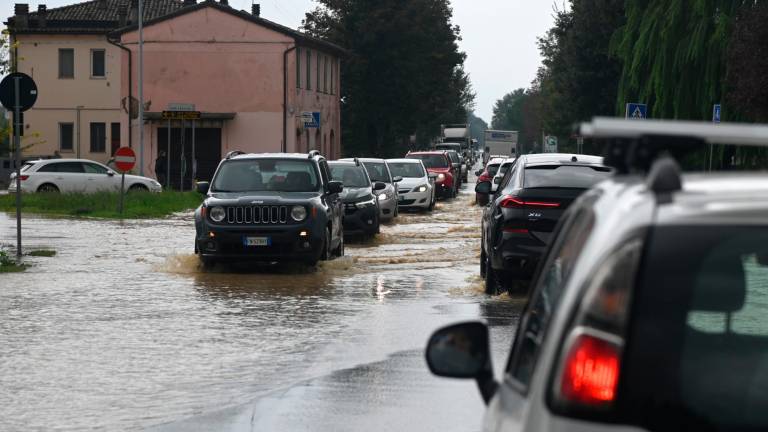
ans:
(477, 127)
(404, 75)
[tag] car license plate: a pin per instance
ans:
(401, 198)
(257, 241)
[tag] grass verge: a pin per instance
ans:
(42, 253)
(8, 265)
(138, 205)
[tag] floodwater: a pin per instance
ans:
(122, 330)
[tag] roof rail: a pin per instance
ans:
(665, 178)
(313, 153)
(234, 153)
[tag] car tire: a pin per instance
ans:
(208, 262)
(492, 280)
(339, 252)
(325, 253)
(397, 212)
(138, 188)
(48, 188)
(432, 203)
(483, 261)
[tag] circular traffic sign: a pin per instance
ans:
(125, 159)
(27, 91)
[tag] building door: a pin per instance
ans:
(207, 154)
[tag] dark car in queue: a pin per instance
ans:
(361, 207)
(518, 222)
(379, 171)
(458, 163)
(649, 312)
(438, 163)
(270, 207)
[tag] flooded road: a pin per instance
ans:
(122, 330)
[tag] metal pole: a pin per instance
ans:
(122, 194)
(79, 107)
(17, 143)
(711, 150)
(194, 161)
(181, 161)
(168, 159)
(141, 88)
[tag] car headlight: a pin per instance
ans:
(383, 196)
(422, 188)
(298, 213)
(440, 177)
(367, 203)
(217, 214)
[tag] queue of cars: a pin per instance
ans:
(647, 311)
(299, 207)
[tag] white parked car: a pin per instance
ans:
(417, 189)
(76, 176)
(503, 168)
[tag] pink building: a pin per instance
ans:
(256, 83)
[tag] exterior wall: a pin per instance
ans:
(222, 64)
(58, 99)
(325, 100)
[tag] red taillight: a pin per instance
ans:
(24, 177)
(484, 177)
(515, 230)
(591, 371)
(510, 201)
(203, 212)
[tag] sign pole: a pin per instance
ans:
(194, 161)
(181, 162)
(141, 88)
(17, 143)
(122, 194)
(168, 159)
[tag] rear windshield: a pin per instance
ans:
(504, 168)
(254, 175)
(352, 176)
(431, 160)
(564, 176)
(377, 171)
(26, 166)
(406, 169)
(493, 169)
(700, 343)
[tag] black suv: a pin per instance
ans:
(519, 219)
(270, 207)
(361, 206)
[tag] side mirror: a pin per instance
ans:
(457, 165)
(462, 351)
(479, 173)
(110, 173)
(483, 188)
(497, 180)
(202, 187)
(379, 186)
(335, 187)
(397, 179)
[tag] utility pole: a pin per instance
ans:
(141, 88)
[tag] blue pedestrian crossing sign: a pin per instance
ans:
(310, 119)
(637, 111)
(716, 113)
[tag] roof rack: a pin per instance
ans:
(357, 161)
(664, 178)
(313, 153)
(234, 153)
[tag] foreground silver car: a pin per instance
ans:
(417, 189)
(378, 171)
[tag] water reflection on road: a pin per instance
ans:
(123, 330)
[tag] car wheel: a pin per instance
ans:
(138, 188)
(432, 203)
(339, 252)
(483, 262)
(325, 253)
(48, 188)
(208, 262)
(492, 282)
(397, 211)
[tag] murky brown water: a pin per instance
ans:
(123, 330)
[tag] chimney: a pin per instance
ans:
(256, 10)
(42, 14)
(224, 2)
(133, 13)
(190, 2)
(122, 15)
(21, 15)
(102, 5)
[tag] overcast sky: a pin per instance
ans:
(499, 38)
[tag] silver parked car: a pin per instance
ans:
(378, 171)
(76, 176)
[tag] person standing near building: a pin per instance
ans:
(160, 165)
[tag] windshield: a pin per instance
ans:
(431, 160)
(407, 169)
(352, 176)
(564, 176)
(493, 169)
(377, 171)
(258, 175)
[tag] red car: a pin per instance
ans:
(487, 174)
(439, 163)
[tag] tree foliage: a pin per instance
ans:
(747, 60)
(477, 127)
(404, 75)
(520, 111)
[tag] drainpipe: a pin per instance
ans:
(78, 108)
(130, 87)
(285, 97)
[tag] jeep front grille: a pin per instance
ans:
(257, 215)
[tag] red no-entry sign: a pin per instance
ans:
(125, 159)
